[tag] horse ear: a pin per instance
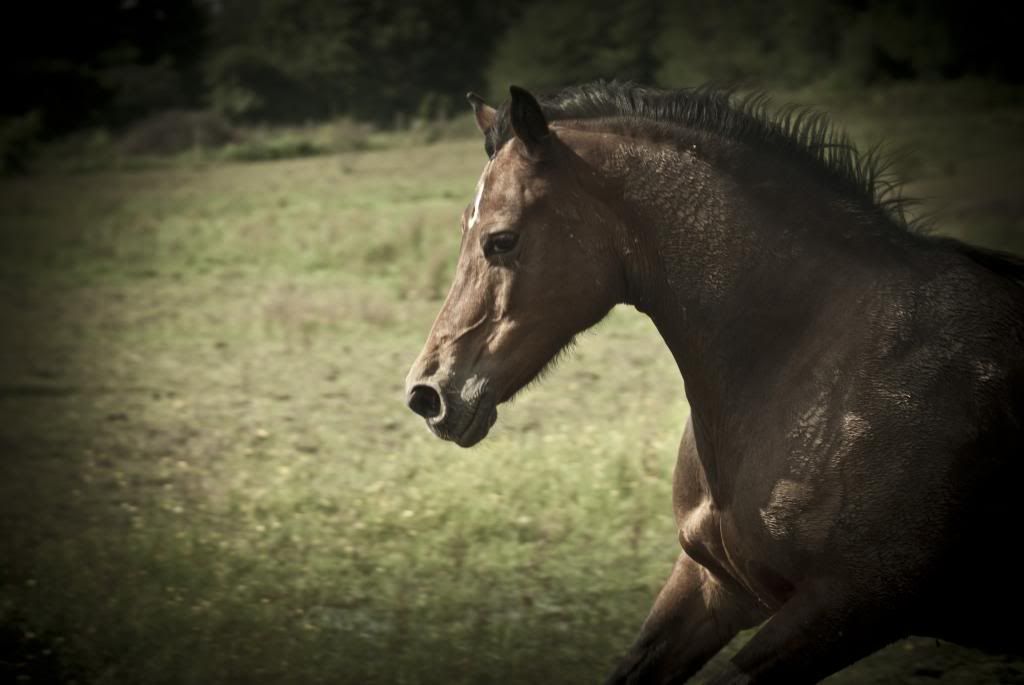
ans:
(484, 113)
(528, 120)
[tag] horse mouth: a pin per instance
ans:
(484, 416)
(465, 425)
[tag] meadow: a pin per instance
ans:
(209, 475)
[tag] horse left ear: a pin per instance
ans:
(484, 113)
(528, 121)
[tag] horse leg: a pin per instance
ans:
(693, 617)
(819, 631)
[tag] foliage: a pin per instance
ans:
(109, 63)
(366, 58)
(783, 43)
(102, 62)
(18, 142)
(749, 42)
(245, 83)
(556, 44)
(262, 144)
(174, 131)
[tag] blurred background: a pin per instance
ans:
(225, 228)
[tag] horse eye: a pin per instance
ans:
(500, 243)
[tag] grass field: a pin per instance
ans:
(209, 475)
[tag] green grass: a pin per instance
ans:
(209, 475)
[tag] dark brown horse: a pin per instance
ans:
(851, 468)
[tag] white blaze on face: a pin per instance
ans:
(480, 185)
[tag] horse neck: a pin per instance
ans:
(731, 278)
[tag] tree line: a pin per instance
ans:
(110, 62)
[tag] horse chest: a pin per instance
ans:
(772, 522)
(734, 554)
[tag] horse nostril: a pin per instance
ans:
(425, 401)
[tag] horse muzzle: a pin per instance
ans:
(464, 417)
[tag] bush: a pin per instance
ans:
(262, 150)
(177, 131)
(19, 141)
(246, 84)
(138, 90)
(788, 44)
(556, 44)
(261, 144)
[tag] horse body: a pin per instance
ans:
(856, 392)
(835, 433)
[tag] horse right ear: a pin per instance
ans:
(484, 113)
(528, 120)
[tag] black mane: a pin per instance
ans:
(800, 133)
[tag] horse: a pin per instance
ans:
(849, 471)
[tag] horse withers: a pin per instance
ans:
(850, 471)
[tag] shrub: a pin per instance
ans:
(177, 131)
(18, 141)
(246, 84)
(267, 149)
